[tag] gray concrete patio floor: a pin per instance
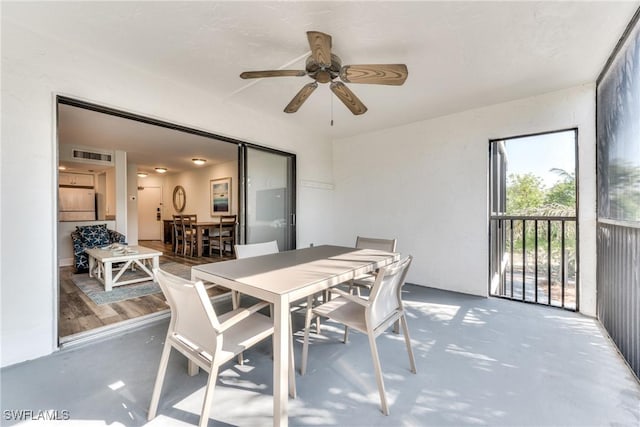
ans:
(480, 362)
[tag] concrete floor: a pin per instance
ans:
(480, 362)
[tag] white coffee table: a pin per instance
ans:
(101, 264)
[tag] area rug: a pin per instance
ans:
(95, 290)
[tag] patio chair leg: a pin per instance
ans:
(407, 340)
(315, 299)
(346, 334)
(305, 345)
(235, 303)
(378, 369)
(157, 388)
(192, 368)
(235, 299)
(208, 396)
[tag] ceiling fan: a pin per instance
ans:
(324, 67)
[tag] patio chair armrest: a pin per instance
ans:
(353, 298)
(240, 315)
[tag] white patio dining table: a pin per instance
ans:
(285, 277)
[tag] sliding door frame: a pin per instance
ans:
(491, 235)
(242, 145)
(291, 196)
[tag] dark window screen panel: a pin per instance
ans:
(618, 146)
(618, 163)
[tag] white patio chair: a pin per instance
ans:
(251, 250)
(366, 280)
(370, 316)
(248, 251)
(207, 340)
(256, 249)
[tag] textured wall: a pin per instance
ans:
(36, 68)
(427, 184)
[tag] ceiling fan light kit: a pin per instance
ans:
(324, 67)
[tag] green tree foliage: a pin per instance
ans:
(562, 195)
(527, 196)
(525, 193)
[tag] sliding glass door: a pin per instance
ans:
(268, 197)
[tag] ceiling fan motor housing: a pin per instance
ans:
(323, 74)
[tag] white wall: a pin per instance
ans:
(34, 69)
(110, 193)
(426, 183)
(196, 186)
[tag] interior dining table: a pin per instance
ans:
(286, 277)
(213, 227)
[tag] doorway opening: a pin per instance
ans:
(150, 213)
(142, 172)
(533, 226)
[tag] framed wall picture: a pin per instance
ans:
(220, 190)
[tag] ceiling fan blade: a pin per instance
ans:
(272, 73)
(348, 98)
(320, 44)
(377, 74)
(300, 97)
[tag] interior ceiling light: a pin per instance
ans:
(161, 170)
(142, 174)
(199, 162)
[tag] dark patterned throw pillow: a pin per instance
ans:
(94, 235)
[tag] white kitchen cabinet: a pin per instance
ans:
(75, 179)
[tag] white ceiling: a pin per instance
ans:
(148, 146)
(460, 55)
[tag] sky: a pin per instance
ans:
(538, 154)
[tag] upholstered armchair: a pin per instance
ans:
(91, 236)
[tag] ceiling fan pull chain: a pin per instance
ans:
(331, 109)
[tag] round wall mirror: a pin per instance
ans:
(179, 198)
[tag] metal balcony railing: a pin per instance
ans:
(535, 259)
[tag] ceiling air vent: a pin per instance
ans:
(92, 156)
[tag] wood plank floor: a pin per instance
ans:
(78, 313)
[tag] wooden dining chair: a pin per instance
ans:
(178, 236)
(208, 341)
(370, 316)
(224, 234)
(189, 234)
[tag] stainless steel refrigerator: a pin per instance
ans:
(77, 204)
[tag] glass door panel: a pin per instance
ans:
(269, 197)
